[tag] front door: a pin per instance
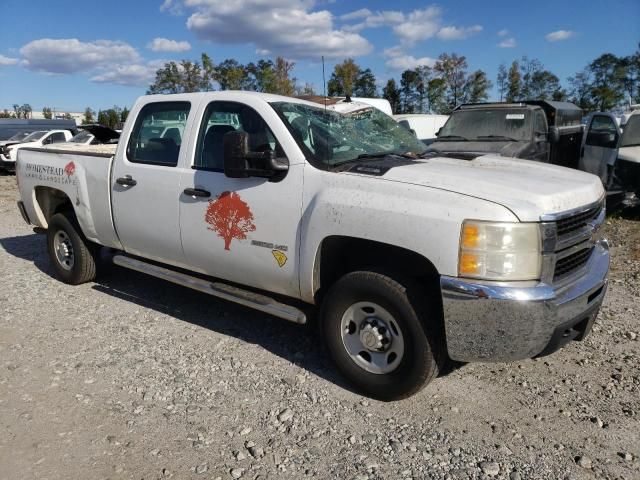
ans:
(600, 146)
(146, 184)
(541, 136)
(243, 230)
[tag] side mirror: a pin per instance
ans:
(554, 135)
(438, 132)
(240, 162)
(47, 141)
(413, 132)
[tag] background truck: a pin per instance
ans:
(613, 153)
(424, 126)
(537, 130)
(282, 205)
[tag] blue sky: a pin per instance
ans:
(70, 54)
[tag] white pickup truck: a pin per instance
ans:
(281, 205)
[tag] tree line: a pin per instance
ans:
(606, 83)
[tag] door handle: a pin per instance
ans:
(126, 181)
(197, 192)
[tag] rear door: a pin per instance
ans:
(244, 230)
(145, 184)
(600, 145)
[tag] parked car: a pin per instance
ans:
(424, 126)
(34, 139)
(10, 126)
(15, 138)
(290, 207)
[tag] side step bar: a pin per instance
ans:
(226, 292)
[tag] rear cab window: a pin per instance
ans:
(157, 135)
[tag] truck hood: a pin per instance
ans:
(528, 189)
(23, 144)
(504, 148)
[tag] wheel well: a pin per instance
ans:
(340, 255)
(51, 201)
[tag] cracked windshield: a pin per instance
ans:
(336, 138)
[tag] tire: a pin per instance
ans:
(398, 319)
(72, 255)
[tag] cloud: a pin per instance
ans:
(397, 59)
(130, 75)
(508, 43)
(70, 55)
(378, 19)
(458, 33)
(503, 33)
(7, 61)
(419, 25)
(172, 6)
(362, 13)
(559, 35)
(422, 24)
(284, 27)
(165, 45)
(406, 62)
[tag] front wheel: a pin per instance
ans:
(73, 256)
(382, 334)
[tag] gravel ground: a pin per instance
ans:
(134, 378)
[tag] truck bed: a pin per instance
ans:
(82, 173)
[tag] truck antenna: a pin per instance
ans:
(324, 85)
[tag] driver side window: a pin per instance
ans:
(221, 118)
(540, 124)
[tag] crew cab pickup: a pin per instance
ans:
(284, 205)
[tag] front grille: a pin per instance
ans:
(576, 222)
(569, 264)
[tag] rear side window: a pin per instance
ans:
(58, 138)
(157, 134)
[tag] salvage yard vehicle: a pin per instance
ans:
(424, 126)
(35, 139)
(411, 258)
(94, 134)
(535, 130)
(614, 155)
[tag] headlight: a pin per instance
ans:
(8, 153)
(500, 251)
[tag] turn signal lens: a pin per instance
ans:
(500, 251)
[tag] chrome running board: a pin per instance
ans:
(226, 292)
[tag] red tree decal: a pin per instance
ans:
(70, 169)
(230, 217)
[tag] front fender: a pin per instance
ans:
(421, 219)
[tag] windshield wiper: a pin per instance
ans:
(460, 137)
(497, 137)
(364, 156)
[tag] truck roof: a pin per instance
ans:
(267, 97)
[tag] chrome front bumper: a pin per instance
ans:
(493, 322)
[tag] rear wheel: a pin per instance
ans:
(377, 332)
(72, 255)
